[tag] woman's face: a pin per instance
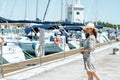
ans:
(89, 30)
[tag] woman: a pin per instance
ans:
(87, 51)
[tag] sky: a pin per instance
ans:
(100, 10)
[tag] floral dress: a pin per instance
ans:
(89, 58)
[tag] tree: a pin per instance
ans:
(107, 24)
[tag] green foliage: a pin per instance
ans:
(107, 24)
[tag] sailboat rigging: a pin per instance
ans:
(12, 9)
(46, 10)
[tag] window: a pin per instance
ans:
(77, 13)
(78, 8)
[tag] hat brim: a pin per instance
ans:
(85, 27)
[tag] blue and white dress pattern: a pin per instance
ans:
(89, 58)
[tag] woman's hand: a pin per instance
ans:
(84, 51)
(81, 50)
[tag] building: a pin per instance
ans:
(75, 12)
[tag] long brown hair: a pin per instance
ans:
(94, 33)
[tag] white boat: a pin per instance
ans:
(103, 37)
(12, 53)
(33, 46)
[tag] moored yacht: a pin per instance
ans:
(11, 53)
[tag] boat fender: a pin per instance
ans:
(57, 40)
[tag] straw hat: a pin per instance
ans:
(90, 25)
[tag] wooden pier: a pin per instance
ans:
(7, 68)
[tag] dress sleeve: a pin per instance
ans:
(92, 42)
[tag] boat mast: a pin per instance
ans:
(96, 12)
(46, 10)
(25, 9)
(36, 9)
(61, 10)
(12, 9)
(3, 6)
